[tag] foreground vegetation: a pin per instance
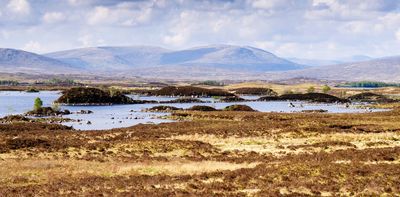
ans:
(215, 153)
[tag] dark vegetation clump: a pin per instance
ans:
(255, 91)
(232, 99)
(32, 126)
(191, 91)
(184, 100)
(315, 111)
(210, 83)
(164, 108)
(142, 92)
(19, 143)
(238, 108)
(88, 96)
(14, 118)
(370, 97)
(202, 108)
(311, 97)
(32, 90)
(8, 83)
(47, 111)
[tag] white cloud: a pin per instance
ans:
(33, 46)
(99, 15)
(271, 4)
(85, 40)
(88, 40)
(5, 34)
(303, 28)
(74, 2)
(123, 14)
(53, 17)
(181, 31)
(398, 35)
(19, 6)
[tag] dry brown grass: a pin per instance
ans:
(25, 172)
(289, 144)
(215, 153)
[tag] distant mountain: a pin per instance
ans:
(230, 58)
(13, 61)
(207, 62)
(111, 58)
(355, 58)
(322, 62)
(225, 57)
(314, 62)
(382, 69)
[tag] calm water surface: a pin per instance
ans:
(117, 116)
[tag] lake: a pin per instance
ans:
(117, 116)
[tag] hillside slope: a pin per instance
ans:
(12, 61)
(382, 69)
(225, 57)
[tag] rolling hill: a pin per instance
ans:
(381, 69)
(207, 62)
(323, 62)
(222, 57)
(110, 58)
(12, 61)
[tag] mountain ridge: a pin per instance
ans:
(385, 69)
(12, 60)
(219, 56)
(203, 62)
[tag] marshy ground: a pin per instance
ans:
(208, 154)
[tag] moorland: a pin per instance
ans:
(211, 153)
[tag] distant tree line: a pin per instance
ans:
(53, 81)
(57, 81)
(9, 82)
(369, 84)
(61, 81)
(210, 83)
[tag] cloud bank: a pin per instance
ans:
(322, 29)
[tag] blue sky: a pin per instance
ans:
(320, 29)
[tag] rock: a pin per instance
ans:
(85, 112)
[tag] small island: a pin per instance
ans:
(93, 96)
(309, 97)
(40, 111)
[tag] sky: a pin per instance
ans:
(313, 29)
